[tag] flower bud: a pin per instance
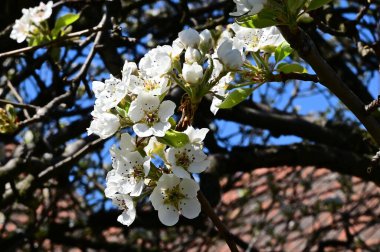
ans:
(206, 41)
(192, 73)
(231, 58)
(190, 38)
(192, 55)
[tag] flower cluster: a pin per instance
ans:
(158, 160)
(31, 20)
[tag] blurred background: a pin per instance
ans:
(291, 167)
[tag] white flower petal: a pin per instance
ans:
(168, 215)
(127, 217)
(160, 128)
(168, 181)
(190, 208)
(166, 110)
(198, 167)
(142, 130)
(180, 172)
(189, 188)
(137, 189)
(135, 112)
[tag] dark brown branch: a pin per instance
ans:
(19, 105)
(209, 211)
(301, 42)
(283, 77)
(321, 156)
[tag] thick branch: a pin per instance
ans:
(321, 156)
(301, 42)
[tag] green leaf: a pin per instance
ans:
(235, 97)
(63, 22)
(315, 4)
(174, 139)
(264, 18)
(282, 51)
(291, 68)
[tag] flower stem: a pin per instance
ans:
(208, 210)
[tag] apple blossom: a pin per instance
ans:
(206, 40)
(154, 86)
(103, 124)
(187, 159)
(135, 168)
(150, 117)
(189, 38)
(157, 61)
(125, 202)
(249, 7)
(109, 93)
(41, 12)
(196, 136)
(192, 73)
(220, 89)
(174, 196)
(22, 27)
(114, 184)
(232, 58)
(257, 39)
(192, 55)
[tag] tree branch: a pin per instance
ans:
(301, 42)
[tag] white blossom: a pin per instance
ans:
(187, 159)
(135, 169)
(196, 136)
(177, 48)
(41, 12)
(150, 117)
(22, 27)
(157, 61)
(125, 202)
(192, 73)
(257, 39)
(249, 7)
(174, 196)
(189, 38)
(154, 86)
(109, 93)
(271, 38)
(192, 55)
(129, 68)
(231, 57)
(103, 124)
(206, 40)
(220, 89)
(114, 184)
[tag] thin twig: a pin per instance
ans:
(18, 97)
(208, 210)
(20, 105)
(66, 37)
(373, 105)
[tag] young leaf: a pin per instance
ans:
(264, 18)
(315, 4)
(235, 97)
(174, 139)
(282, 51)
(63, 22)
(291, 68)
(295, 5)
